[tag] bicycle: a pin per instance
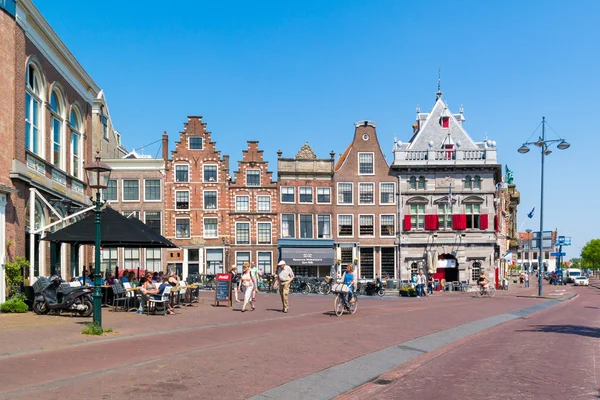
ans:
(490, 291)
(341, 303)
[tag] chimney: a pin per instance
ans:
(165, 146)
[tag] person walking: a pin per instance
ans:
(247, 283)
(430, 284)
(526, 280)
(235, 279)
(256, 275)
(283, 277)
(420, 284)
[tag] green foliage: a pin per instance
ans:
(94, 329)
(407, 290)
(590, 254)
(576, 262)
(14, 305)
(14, 273)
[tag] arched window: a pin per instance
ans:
(33, 100)
(414, 269)
(412, 182)
(477, 182)
(475, 271)
(421, 183)
(56, 110)
(468, 182)
(76, 130)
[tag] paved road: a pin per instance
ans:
(553, 354)
(218, 353)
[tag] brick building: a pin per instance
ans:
(253, 212)
(365, 206)
(46, 113)
(306, 211)
(135, 189)
(196, 202)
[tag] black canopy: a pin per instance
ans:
(116, 231)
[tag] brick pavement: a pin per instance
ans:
(206, 352)
(549, 355)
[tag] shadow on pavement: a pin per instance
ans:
(566, 329)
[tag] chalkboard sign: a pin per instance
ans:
(223, 290)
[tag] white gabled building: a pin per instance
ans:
(448, 189)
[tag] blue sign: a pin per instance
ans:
(558, 254)
(561, 240)
(9, 5)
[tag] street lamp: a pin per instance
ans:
(544, 145)
(98, 175)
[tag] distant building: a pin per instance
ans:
(448, 186)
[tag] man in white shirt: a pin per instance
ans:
(421, 279)
(283, 277)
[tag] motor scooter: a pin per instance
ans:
(373, 288)
(58, 298)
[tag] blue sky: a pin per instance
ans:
(290, 72)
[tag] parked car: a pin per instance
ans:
(581, 281)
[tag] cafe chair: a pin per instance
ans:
(119, 296)
(153, 304)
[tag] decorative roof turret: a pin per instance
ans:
(306, 153)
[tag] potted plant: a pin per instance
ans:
(407, 291)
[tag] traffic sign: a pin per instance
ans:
(558, 254)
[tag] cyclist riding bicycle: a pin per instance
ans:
(349, 278)
(483, 281)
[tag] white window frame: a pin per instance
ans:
(204, 200)
(146, 258)
(393, 192)
(236, 203)
(204, 174)
(175, 173)
(116, 191)
(238, 263)
(37, 97)
(258, 242)
(61, 120)
(351, 193)
(189, 228)
(395, 229)
(259, 177)
(374, 225)
(300, 195)
(317, 196)
(281, 194)
(249, 233)
(372, 162)
(330, 226)
(189, 201)
(338, 225)
(312, 223)
(266, 270)
(76, 131)
(195, 137)
(126, 260)
(416, 226)
(204, 234)
(258, 203)
(159, 190)
(123, 191)
(160, 215)
(366, 184)
(293, 235)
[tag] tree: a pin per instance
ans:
(590, 254)
(576, 262)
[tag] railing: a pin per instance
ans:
(473, 155)
(415, 155)
(445, 155)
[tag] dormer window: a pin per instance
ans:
(445, 122)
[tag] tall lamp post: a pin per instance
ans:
(544, 145)
(98, 175)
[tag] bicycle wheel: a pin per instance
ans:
(321, 288)
(491, 291)
(479, 292)
(306, 289)
(353, 306)
(338, 305)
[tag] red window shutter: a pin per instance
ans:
(459, 222)
(445, 122)
(463, 219)
(483, 221)
(435, 222)
(496, 223)
(407, 222)
(427, 222)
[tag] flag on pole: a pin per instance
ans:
(530, 215)
(508, 257)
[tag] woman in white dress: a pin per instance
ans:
(248, 283)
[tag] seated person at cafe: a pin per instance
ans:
(155, 278)
(85, 280)
(124, 276)
(131, 277)
(157, 292)
(110, 279)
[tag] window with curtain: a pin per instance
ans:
(345, 225)
(288, 226)
(182, 228)
(211, 227)
(365, 164)
(182, 200)
(386, 192)
(287, 194)
(264, 232)
(182, 173)
(366, 193)
(210, 199)
(242, 203)
(242, 233)
(305, 194)
(264, 203)
(210, 173)
(324, 195)
(344, 193)
(324, 226)
(417, 216)
(242, 257)
(306, 226)
(388, 226)
(366, 225)
(33, 100)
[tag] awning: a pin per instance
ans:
(316, 256)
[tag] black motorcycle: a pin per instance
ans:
(59, 297)
(373, 288)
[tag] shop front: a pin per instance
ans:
(307, 257)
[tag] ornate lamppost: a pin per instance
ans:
(544, 145)
(98, 175)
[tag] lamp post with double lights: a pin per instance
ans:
(544, 145)
(98, 175)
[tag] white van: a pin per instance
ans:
(570, 274)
